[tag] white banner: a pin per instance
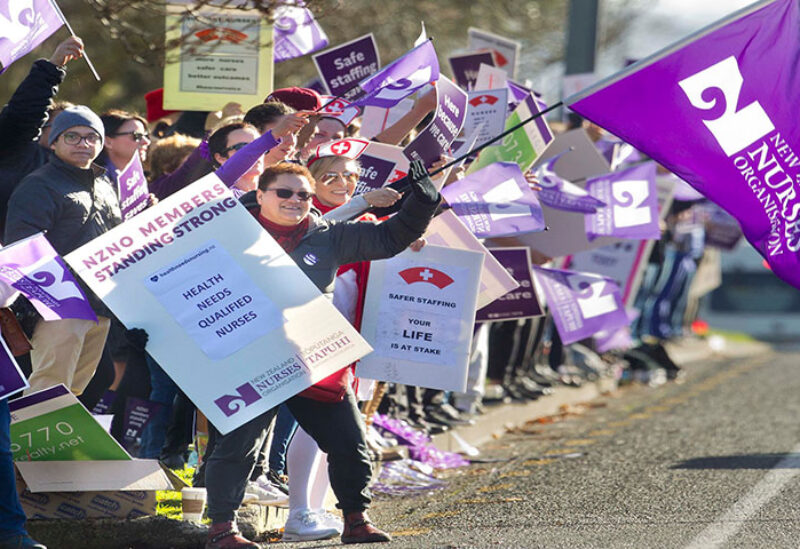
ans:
(419, 314)
(230, 316)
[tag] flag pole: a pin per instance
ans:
(72, 32)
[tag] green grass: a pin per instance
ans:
(740, 337)
(169, 501)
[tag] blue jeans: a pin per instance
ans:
(285, 426)
(163, 390)
(12, 517)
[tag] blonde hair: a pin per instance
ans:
(325, 164)
(167, 154)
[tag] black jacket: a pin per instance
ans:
(21, 121)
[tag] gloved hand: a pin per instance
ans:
(137, 338)
(421, 183)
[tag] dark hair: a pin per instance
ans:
(272, 172)
(218, 141)
(267, 113)
(114, 119)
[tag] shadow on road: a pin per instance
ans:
(745, 461)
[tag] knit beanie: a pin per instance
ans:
(78, 115)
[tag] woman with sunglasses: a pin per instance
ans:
(126, 135)
(225, 142)
(283, 208)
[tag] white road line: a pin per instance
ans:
(734, 518)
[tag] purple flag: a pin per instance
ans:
(618, 152)
(133, 192)
(34, 268)
(582, 304)
(465, 68)
(436, 138)
(631, 199)
(518, 303)
(495, 201)
(398, 80)
(720, 110)
(560, 194)
(721, 229)
(12, 379)
(297, 33)
(343, 66)
(24, 24)
(619, 338)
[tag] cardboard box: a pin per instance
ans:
(89, 489)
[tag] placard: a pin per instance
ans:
(419, 314)
(465, 68)
(506, 50)
(199, 266)
(216, 55)
(520, 302)
(344, 66)
(490, 78)
(486, 114)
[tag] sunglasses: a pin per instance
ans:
(137, 136)
(305, 196)
(347, 175)
(236, 147)
(72, 138)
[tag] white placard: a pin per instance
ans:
(507, 50)
(419, 315)
(490, 78)
(273, 334)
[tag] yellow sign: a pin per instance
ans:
(214, 56)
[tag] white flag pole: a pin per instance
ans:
(72, 32)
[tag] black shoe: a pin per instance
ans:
(173, 461)
(531, 386)
(427, 427)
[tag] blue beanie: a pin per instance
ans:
(78, 115)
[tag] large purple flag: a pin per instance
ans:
(582, 304)
(34, 268)
(133, 192)
(495, 201)
(560, 194)
(297, 33)
(24, 24)
(401, 78)
(631, 199)
(720, 110)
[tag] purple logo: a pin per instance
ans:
(229, 404)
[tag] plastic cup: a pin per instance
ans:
(194, 500)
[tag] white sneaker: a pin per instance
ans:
(306, 525)
(329, 519)
(264, 495)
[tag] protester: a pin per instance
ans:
(167, 154)
(126, 135)
(227, 140)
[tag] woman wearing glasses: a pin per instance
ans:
(225, 142)
(126, 135)
(319, 248)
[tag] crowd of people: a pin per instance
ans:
(58, 167)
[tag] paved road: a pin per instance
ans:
(711, 462)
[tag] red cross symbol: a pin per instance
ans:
(340, 148)
(483, 100)
(426, 274)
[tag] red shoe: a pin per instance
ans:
(225, 535)
(359, 529)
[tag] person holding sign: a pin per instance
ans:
(126, 135)
(319, 248)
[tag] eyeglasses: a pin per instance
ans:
(236, 147)
(137, 136)
(72, 138)
(305, 196)
(328, 177)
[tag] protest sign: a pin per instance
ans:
(24, 26)
(520, 302)
(419, 314)
(582, 304)
(12, 380)
(104, 405)
(631, 204)
(133, 193)
(297, 33)
(216, 55)
(230, 317)
(560, 194)
(376, 119)
(517, 93)
(33, 267)
(743, 156)
(495, 201)
(448, 119)
(338, 108)
(487, 112)
(522, 146)
(722, 229)
(506, 50)
(138, 413)
(342, 67)
(490, 78)
(622, 262)
(465, 68)
(52, 425)
(373, 173)
(388, 153)
(618, 338)
(447, 230)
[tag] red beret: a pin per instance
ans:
(300, 99)
(155, 105)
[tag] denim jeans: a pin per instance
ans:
(282, 433)
(12, 518)
(337, 428)
(163, 390)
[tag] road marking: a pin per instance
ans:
(537, 462)
(494, 488)
(442, 514)
(522, 473)
(600, 433)
(716, 534)
(411, 532)
(579, 442)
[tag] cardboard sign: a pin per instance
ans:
(448, 119)
(52, 425)
(231, 318)
(486, 114)
(419, 316)
(506, 50)
(373, 173)
(219, 55)
(376, 119)
(447, 230)
(520, 302)
(623, 262)
(465, 68)
(344, 66)
(490, 78)
(133, 193)
(388, 154)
